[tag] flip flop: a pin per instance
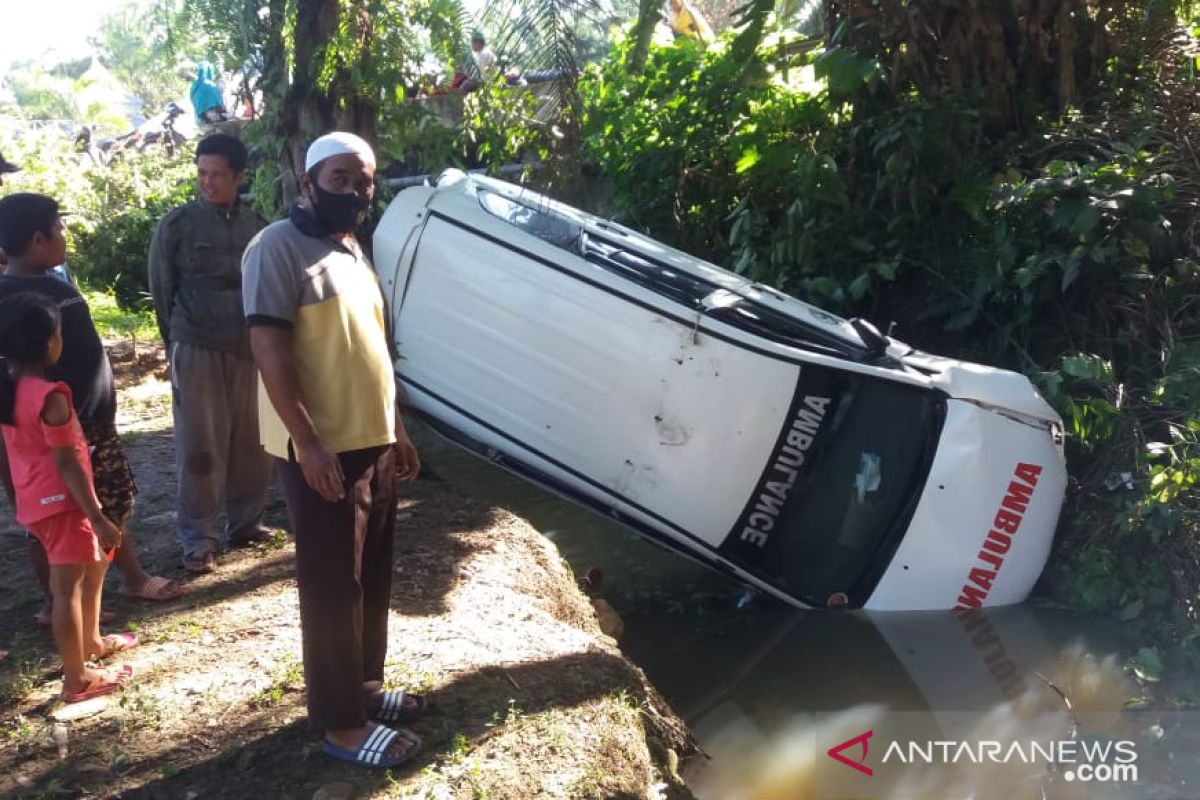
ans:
(373, 751)
(155, 588)
(392, 706)
(107, 683)
(118, 643)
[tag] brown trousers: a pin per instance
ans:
(344, 573)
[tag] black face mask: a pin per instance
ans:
(339, 213)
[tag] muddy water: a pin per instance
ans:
(767, 689)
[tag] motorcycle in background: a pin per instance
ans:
(165, 136)
(157, 132)
(106, 150)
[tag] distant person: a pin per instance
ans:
(318, 332)
(54, 493)
(196, 285)
(31, 234)
(205, 94)
(485, 59)
(686, 20)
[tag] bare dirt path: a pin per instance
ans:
(529, 699)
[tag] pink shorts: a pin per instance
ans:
(68, 538)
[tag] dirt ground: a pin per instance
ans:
(528, 698)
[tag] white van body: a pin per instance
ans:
(740, 426)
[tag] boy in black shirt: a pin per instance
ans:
(31, 235)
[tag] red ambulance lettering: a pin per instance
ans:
(998, 540)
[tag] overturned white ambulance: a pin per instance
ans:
(809, 456)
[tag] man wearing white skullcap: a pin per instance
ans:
(336, 144)
(327, 412)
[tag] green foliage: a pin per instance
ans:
(495, 123)
(543, 34)
(492, 126)
(61, 96)
(682, 141)
(41, 95)
(500, 125)
(229, 32)
(112, 239)
(135, 42)
(111, 211)
(114, 321)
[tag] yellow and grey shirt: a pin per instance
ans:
(327, 293)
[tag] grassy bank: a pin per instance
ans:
(115, 322)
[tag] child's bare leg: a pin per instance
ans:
(41, 568)
(66, 584)
(93, 587)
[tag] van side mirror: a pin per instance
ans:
(875, 341)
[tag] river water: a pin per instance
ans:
(767, 688)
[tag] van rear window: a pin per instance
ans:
(544, 224)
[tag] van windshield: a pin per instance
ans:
(837, 493)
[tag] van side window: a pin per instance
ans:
(545, 225)
(679, 285)
(676, 284)
(561, 232)
(778, 327)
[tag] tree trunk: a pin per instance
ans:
(312, 106)
(274, 85)
(1026, 56)
(1067, 90)
(648, 17)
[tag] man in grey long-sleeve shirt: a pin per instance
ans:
(196, 285)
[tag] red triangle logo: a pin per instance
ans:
(863, 739)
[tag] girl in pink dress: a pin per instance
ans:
(56, 500)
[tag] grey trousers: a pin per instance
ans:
(218, 457)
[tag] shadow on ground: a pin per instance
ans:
(287, 762)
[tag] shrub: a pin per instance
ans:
(111, 212)
(112, 241)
